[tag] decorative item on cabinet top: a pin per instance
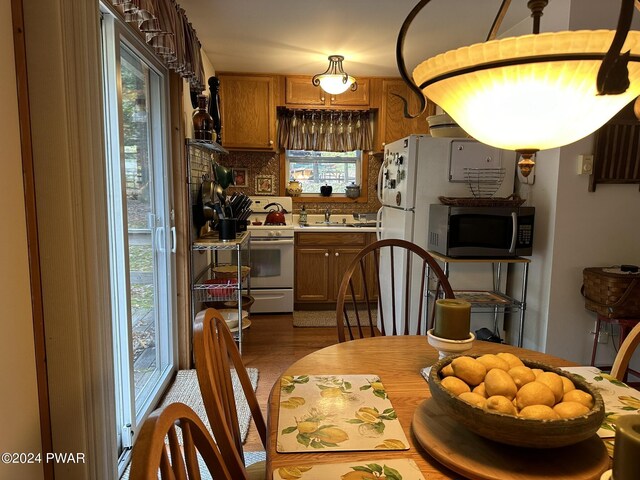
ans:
(202, 121)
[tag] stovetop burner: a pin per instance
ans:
(275, 224)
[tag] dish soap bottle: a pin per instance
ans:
(303, 216)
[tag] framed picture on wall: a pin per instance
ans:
(240, 177)
(265, 185)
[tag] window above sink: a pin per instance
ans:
(314, 169)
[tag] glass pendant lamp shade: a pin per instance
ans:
(536, 104)
(334, 80)
(335, 84)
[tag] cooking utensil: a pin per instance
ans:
(217, 206)
(244, 214)
(275, 216)
(223, 175)
(207, 190)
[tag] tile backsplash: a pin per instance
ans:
(268, 163)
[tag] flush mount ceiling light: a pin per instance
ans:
(535, 91)
(334, 80)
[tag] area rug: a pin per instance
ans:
(185, 389)
(249, 459)
(321, 318)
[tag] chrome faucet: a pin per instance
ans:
(327, 215)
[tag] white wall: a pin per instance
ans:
(575, 229)
(19, 415)
(541, 195)
(598, 228)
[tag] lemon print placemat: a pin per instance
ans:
(337, 413)
(619, 398)
(400, 469)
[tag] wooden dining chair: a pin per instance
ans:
(215, 354)
(623, 357)
(391, 274)
(158, 454)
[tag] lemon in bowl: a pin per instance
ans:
(533, 417)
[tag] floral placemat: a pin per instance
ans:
(397, 469)
(337, 413)
(619, 398)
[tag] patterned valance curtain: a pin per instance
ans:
(165, 27)
(324, 130)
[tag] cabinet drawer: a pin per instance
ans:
(350, 239)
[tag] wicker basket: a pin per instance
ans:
(510, 201)
(611, 294)
(229, 271)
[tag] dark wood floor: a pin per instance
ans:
(271, 344)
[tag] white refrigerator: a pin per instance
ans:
(415, 171)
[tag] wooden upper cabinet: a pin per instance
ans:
(357, 98)
(392, 125)
(247, 104)
(301, 93)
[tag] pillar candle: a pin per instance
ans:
(453, 318)
(626, 450)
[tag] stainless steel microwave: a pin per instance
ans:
(481, 231)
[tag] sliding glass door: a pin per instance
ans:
(142, 238)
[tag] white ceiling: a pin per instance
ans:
(296, 36)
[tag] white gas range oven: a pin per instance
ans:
(271, 256)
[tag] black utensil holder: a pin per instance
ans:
(227, 228)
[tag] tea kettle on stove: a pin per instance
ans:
(275, 216)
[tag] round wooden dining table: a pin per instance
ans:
(398, 361)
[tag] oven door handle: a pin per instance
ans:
(267, 241)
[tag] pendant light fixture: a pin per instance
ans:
(334, 80)
(535, 91)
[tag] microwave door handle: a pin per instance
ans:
(514, 233)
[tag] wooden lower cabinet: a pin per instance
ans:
(321, 260)
(312, 274)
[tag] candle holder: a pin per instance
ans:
(446, 346)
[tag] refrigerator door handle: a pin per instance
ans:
(514, 233)
(380, 182)
(379, 224)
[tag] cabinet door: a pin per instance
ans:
(371, 272)
(392, 123)
(248, 111)
(342, 257)
(359, 98)
(299, 91)
(312, 274)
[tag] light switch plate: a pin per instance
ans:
(585, 164)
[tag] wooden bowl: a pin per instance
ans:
(229, 271)
(231, 317)
(517, 431)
